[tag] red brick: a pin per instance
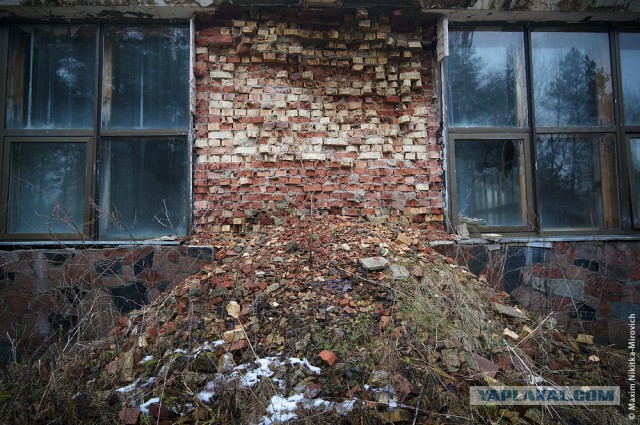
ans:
(214, 40)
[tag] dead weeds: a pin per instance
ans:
(240, 343)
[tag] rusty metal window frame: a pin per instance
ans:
(622, 135)
(90, 137)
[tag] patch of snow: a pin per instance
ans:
(320, 403)
(265, 369)
(206, 396)
(281, 409)
(147, 359)
(288, 404)
(535, 379)
(209, 346)
(305, 362)
(280, 382)
(149, 382)
(188, 408)
(345, 407)
(249, 380)
(144, 408)
(129, 387)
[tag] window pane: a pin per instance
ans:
(630, 63)
(571, 78)
(635, 161)
(486, 79)
(577, 181)
(490, 182)
(143, 188)
(146, 80)
(46, 188)
(51, 76)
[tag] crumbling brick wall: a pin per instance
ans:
(333, 111)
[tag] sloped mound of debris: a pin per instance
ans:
(328, 320)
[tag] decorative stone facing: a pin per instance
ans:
(43, 292)
(591, 287)
(300, 110)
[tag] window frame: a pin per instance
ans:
(492, 135)
(6, 168)
(617, 129)
(625, 133)
(90, 136)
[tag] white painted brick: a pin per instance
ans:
(313, 156)
(220, 104)
(414, 148)
(220, 135)
(374, 140)
(245, 150)
(370, 155)
(218, 75)
(335, 141)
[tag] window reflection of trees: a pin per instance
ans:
(154, 95)
(486, 81)
(571, 87)
(565, 168)
(630, 64)
(635, 161)
(576, 175)
(51, 79)
(47, 187)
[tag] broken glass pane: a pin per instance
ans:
(630, 64)
(490, 182)
(486, 79)
(51, 77)
(577, 181)
(145, 77)
(46, 188)
(143, 188)
(572, 79)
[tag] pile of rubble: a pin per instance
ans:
(324, 321)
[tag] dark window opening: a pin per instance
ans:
(538, 143)
(95, 125)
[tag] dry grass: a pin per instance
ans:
(448, 309)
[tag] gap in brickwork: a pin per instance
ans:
(349, 95)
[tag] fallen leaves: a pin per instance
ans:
(233, 309)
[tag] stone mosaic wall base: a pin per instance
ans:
(46, 292)
(590, 287)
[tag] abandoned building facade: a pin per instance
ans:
(513, 127)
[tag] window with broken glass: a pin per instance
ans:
(95, 131)
(537, 143)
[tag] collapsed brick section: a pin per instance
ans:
(299, 110)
